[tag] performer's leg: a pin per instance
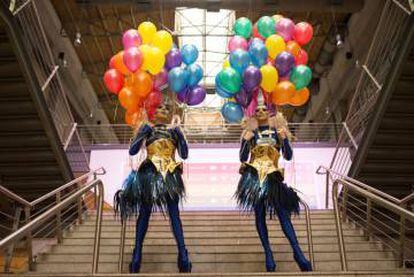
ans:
(260, 213)
(184, 263)
(290, 234)
(141, 230)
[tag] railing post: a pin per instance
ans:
(338, 224)
(327, 190)
(369, 218)
(122, 245)
(59, 234)
(80, 207)
(9, 252)
(402, 240)
(98, 227)
(29, 240)
(344, 203)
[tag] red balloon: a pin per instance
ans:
(303, 33)
(129, 100)
(154, 99)
(302, 57)
(114, 80)
(151, 112)
(112, 62)
(256, 33)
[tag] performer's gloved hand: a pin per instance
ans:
(144, 131)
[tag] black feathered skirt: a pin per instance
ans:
(272, 192)
(147, 186)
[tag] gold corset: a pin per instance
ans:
(264, 158)
(162, 155)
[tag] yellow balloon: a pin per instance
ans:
(270, 78)
(145, 50)
(147, 31)
(163, 40)
(156, 60)
(275, 44)
(226, 64)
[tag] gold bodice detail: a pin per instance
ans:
(162, 155)
(264, 158)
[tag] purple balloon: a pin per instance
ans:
(244, 97)
(182, 95)
(161, 79)
(284, 63)
(285, 28)
(252, 77)
(173, 58)
(196, 95)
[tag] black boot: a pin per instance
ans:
(183, 262)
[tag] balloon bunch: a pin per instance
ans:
(138, 73)
(268, 56)
(184, 80)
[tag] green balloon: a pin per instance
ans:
(301, 76)
(230, 80)
(266, 26)
(243, 27)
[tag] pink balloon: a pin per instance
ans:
(285, 28)
(303, 33)
(131, 38)
(302, 57)
(237, 42)
(133, 58)
(251, 109)
(161, 79)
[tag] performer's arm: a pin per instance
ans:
(182, 146)
(286, 148)
(144, 131)
(245, 146)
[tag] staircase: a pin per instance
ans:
(218, 243)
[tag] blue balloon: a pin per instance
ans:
(195, 72)
(239, 60)
(258, 53)
(222, 91)
(189, 53)
(232, 112)
(177, 79)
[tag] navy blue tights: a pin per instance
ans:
(183, 261)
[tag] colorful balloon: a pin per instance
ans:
(258, 53)
(141, 84)
(239, 60)
(189, 53)
(269, 78)
(182, 95)
(131, 38)
(251, 109)
(177, 79)
(173, 58)
(266, 26)
(303, 33)
(282, 93)
(132, 58)
(221, 91)
(232, 112)
(134, 118)
(147, 31)
(277, 17)
(195, 74)
(243, 97)
(300, 97)
(154, 99)
(284, 63)
(229, 79)
(275, 45)
(256, 33)
(251, 78)
(301, 76)
(302, 57)
(243, 27)
(118, 63)
(237, 42)
(293, 47)
(163, 40)
(145, 50)
(161, 79)
(114, 80)
(156, 60)
(226, 64)
(129, 100)
(196, 95)
(285, 28)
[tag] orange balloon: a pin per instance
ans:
(133, 119)
(293, 47)
(118, 63)
(140, 83)
(283, 92)
(300, 97)
(129, 100)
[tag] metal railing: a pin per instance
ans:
(378, 214)
(49, 216)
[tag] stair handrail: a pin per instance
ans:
(330, 172)
(26, 229)
(371, 197)
(309, 231)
